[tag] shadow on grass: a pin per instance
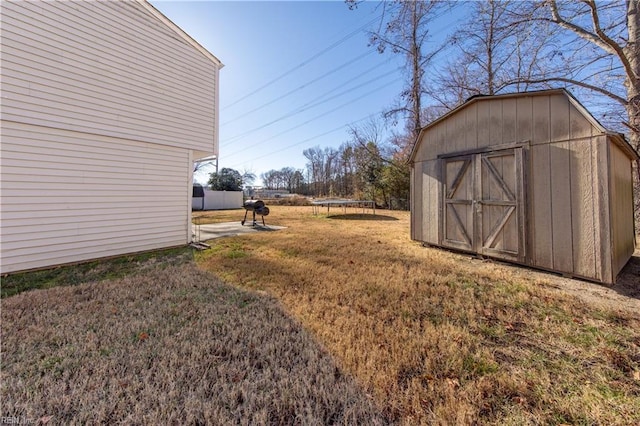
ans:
(361, 216)
(263, 228)
(93, 270)
(225, 356)
(628, 283)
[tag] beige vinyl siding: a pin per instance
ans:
(68, 196)
(109, 68)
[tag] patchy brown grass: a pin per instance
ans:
(167, 345)
(436, 337)
(96, 270)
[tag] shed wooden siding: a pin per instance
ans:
(621, 202)
(504, 121)
(109, 68)
(68, 196)
(567, 189)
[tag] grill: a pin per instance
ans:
(256, 207)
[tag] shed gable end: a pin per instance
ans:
(495, 121)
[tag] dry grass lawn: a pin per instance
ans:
(436, 337)
(168, 346)
(337, 320)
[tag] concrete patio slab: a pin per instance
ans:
(211, 231)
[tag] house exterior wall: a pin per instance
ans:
(104, 107)
(109, 68)
(566, 176)
(69, 196)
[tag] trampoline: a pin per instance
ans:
(358, 204)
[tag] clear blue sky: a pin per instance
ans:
(296, 75)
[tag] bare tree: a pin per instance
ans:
(298, 183)
(490, 55)
(598, 51)
(316, 158)
(593, 49)
(248, 177)
(331, 170)
(404, 29)
(287, 174)
(617, 42)
(370, 131)
(381, 164)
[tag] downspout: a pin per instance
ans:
(189, 227)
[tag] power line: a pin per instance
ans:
(304, 141)
(321, 100)
(308, 106)
(325, 75)
(305, 62)
(316, 117)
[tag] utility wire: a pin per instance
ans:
(362, 74)
(304, 141)
(309, 105)
(321, 100)
(305, 62)
(306, 106)
(325, 75)
(287, 94)
(314, 118)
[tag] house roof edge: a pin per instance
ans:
(182, 33)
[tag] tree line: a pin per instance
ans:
(362, 168)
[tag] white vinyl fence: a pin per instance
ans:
(216, 200)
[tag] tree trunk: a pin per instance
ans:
(416, 87)
(632, 52)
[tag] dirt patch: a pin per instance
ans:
(624, 295)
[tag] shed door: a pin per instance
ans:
(483, 203)
(459, 223)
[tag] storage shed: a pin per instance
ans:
(530, 178)
(105, 106)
